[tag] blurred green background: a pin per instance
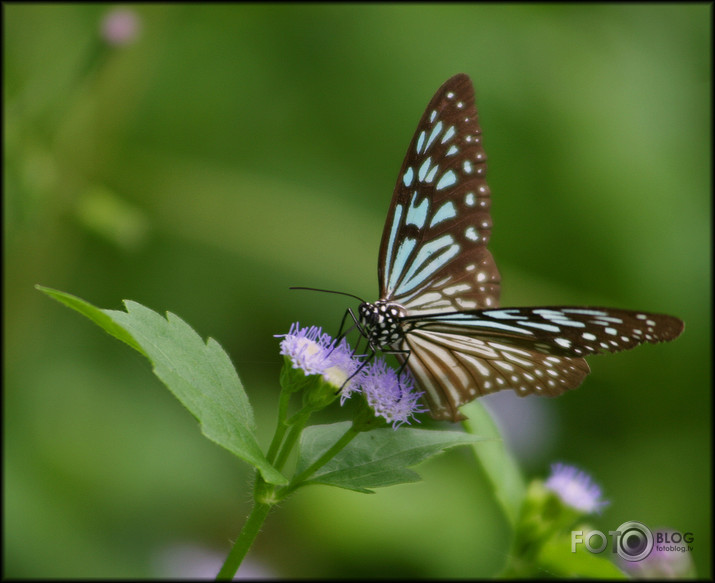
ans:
(231, 151)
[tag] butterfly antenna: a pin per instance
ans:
(329, 291)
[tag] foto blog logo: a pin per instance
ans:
(632, 541)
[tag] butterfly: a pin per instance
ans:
(438, 311)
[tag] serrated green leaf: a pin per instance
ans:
(198, 373)
(374, 458)
(499, 465)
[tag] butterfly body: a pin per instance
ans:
(439, 285)
(380, 323)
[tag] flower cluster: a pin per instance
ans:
(575, 488)
(389, 394)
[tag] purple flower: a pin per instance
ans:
(120, 26)
(315, 352)
(390, 396)
(665, 561)
(575, 488)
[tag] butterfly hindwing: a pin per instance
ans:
(457, 357)
(455, 369)
(433, 255)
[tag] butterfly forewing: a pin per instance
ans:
(559, 330)
(433, 255)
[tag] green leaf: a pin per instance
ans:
(374, 458)
(95, 314)
(200, 374)
(498, 463)
(556, 559)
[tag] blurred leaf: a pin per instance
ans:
(376, 458)
(498, 463)
(200, 374)
(113, 218)
(556, 558)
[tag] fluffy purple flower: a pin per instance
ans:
(315, 352)
(575, 488)
(389, 396)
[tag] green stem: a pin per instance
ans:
(329, 454)
(244, 541)
(298, 423)
(281, 426)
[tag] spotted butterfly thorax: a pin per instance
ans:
(439, 286)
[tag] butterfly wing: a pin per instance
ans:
(433, 255)
(434, 262)
(458, 357)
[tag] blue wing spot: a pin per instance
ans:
(452, 151)
(469, 199)
(446, 211)
(433, 115)
(448, 134)
(448, 179)
(408, 176)
(417, 215)
(430, 176)
(393, 233)
(467, 165)
(435, 132)
(403, 254)
(422, 172)
(420, 142)
(432, 256)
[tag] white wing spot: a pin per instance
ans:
(471, 234)
(469, 199)
(467, 165)
(563, 342)
(455, 289)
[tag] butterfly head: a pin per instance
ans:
(380, 323)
